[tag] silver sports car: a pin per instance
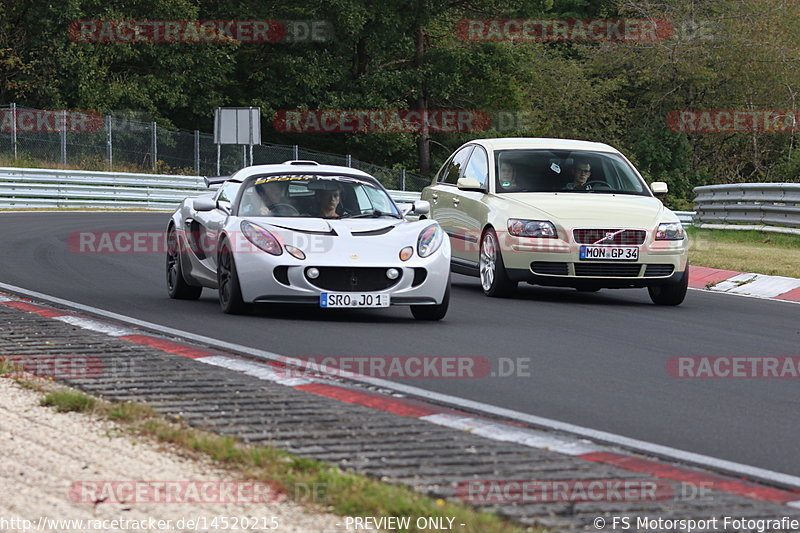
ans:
(300, 232)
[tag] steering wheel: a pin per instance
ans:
(284, 210)
(602, 184)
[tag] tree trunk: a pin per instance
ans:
(424, 138)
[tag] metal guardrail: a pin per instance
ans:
(686, 217)
(25, 188)
(764, 206)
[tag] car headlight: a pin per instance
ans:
(429, 240)
(261, 238)
(670, 231)
(532, 228)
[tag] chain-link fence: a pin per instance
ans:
(86, 140)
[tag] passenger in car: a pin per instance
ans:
(581, 172)
(328, 202)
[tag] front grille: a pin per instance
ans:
(608, 270)
(550, 267)
(654, 271)
(592, 236)
(344, 279)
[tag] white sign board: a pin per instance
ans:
(237, 125)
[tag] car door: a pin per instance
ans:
(203, 228)
(444, 196)
(470, 209)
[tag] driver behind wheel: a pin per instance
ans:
(581, 172)
(273, 199)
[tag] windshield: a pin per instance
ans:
(315, 196)
(565, 171)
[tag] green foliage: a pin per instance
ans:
(723, 54)
(68, 400)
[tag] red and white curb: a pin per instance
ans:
(745, 283)
(271, 367)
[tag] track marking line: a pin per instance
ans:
(259, 370)
(97, 325)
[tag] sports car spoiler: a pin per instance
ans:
(215, 180)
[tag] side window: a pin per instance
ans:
(455, 168)
(228, 191)
(478, 166)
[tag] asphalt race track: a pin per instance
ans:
(598, 359)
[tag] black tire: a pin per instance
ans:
(230, 293)
(671, 293)
(492, 270)
(176, 283)
(433, 312)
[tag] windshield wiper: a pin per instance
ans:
(376, 213)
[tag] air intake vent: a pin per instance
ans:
(655, 271)
(551, 268)
(608, 270)
(344, 279)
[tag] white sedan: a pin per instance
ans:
(557, 212)
(300, 232)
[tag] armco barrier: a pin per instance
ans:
(25, 188)
(764, 206)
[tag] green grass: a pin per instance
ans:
(306, 481)
(7, 367)
(774, 254)
(68, 400)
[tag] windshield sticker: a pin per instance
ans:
(259, 181)
(506, 184)
(555, 168)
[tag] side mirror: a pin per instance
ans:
(659, 188)
(204, 203)
(421, 207)
(469, 184)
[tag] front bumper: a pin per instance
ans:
(282, 279)
(554, 262)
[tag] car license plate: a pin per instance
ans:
(353, 299)
(609, 253)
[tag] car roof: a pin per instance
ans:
(300, 167)
(508, 143)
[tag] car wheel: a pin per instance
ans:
(176, 283)
(493, 275)
(230, 293)
(671, 293)
(433, 312)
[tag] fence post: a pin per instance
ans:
(154, 147)
(63, 136)
(196, 152)
(109, 146)
(402, 179)
(14, 129)
(296, 152)
(349, 160)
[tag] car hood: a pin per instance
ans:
(594, 209)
